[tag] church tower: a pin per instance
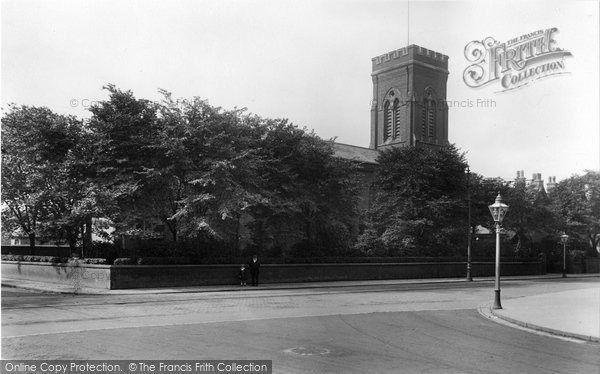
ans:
(409, 99)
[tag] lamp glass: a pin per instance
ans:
(498, 209)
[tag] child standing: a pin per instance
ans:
(243, 276)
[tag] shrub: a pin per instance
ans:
(93, 261)
(163, 261)
(153, 261)
(125, 261)
(52, 259)
(28, 258)
(105, 250)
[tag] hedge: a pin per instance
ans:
(52, 259)
(264, 260)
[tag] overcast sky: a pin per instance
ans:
(310, 61)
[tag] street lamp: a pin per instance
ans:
(563, 238)
(469, 277)
(498, 210)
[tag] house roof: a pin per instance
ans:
(355, 153)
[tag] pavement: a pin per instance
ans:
(572, 314)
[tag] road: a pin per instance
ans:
(424, 328)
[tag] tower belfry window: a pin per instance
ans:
(431, 118)
(397, 127)
(424, 120)
(387, 121)
(428, 116)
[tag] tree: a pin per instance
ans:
(483, 193)
(236, 170)
(177, 169)
(419, 205)
(310, 199)
(125, 150)
(22, 188)
(530, 216)
(209, 168)
(576, 203)
(43, 188)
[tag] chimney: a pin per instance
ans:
(520, 175)
(551, 184)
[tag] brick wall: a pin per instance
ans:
(150, 276)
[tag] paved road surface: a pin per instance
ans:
(395, 328)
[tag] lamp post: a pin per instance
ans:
(469, 277)
(563, 238)
(498, 210)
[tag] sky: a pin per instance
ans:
(310, 61)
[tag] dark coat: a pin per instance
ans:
(254, 266)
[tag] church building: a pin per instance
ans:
(408, 107)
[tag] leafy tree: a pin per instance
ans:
(236, 170)
(576, 203)
(22, 177)
(309, 204)
(179, 169)
(530, 216)
(219, 174)
(483, 192)
(126, 148)
(42, 164)
(419, 207)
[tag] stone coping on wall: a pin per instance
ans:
(106, 266)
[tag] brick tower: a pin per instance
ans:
(409, 99)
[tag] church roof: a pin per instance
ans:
(355, 153)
